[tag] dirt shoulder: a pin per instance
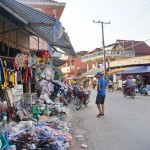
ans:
(77, 130)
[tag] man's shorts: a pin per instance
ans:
(110, 86)
(100, 99)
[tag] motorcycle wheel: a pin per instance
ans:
(75, 100)
(124, 94)
(86, 103)
(79, 104)
(69, 99)
(132, 95)
(65, 102)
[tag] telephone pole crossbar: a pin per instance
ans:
(103, 42)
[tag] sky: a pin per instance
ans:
(129, 20)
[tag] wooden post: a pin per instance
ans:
(9, 41)
(29, 86)
(3, 30)
(17, 38)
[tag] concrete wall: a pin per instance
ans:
(131, 61)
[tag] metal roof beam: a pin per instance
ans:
(9, 30)
(41, 24)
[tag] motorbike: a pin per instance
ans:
(69, 94)
(82, 98)
(76, 89)
(142, 90)
(129, 92)
(62, 97)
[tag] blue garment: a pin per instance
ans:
(102, 82)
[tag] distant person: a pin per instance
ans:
(129, 84)
(110, 85)
(101, 93)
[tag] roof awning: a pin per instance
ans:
(137, 70)
(92, 72)
(40, 24)
(116, 71)
(58, 62)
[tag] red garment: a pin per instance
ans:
(45, 54)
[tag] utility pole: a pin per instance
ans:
(103, 42)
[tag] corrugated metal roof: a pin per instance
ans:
(40, 24)
(29, 14)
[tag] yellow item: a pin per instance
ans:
(12, 78)
(5, 78)
(39, 58)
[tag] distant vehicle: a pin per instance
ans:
(129, 92)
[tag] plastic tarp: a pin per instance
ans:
(137, 70)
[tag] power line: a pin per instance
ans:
(137, 16)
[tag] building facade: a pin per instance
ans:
(74, 67)
(50, 7)
(118, 52)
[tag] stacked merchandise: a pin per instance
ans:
(41, 120)
(49, 134)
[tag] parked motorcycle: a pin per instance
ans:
(142, 90)
(69, 94)
(82, 98)
(76, 89)
(62, 97)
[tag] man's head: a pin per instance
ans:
(98, 75)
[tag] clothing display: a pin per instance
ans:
(7, 77)
(31, 123)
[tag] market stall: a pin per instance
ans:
(141, 74)
(31, 116)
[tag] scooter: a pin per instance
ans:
(129, 92)
(69, 94)
(142, 90)
(82, 99)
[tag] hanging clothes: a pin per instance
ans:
(1, 72)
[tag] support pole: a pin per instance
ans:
(103, 43)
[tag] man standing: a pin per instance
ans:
(101, 92)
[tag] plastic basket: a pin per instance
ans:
(4, 142)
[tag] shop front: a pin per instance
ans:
(141, 74)
(31, 113)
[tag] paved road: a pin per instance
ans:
(125, 126)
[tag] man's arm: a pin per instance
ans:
(98, 86)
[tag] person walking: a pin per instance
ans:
(110, 85)
(101, 93)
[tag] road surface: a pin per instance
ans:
(125, 126)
